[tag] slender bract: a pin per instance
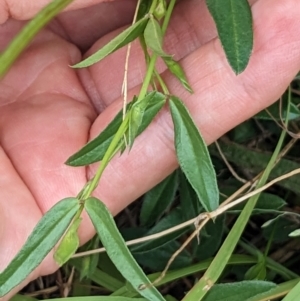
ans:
(69, 243)
(178, 71)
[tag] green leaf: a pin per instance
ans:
(157, 259)
(143, 8)
(142, 113)
(210, 239)
(154, 38)
(257, 271)
(233, 19)
(193, 156)
(189, 201)
(45, 235)
(267, 203)
(176, 69)
(94, 150)
(293, 295)
(255, 161)
(279, 228)
(170, 298)
(98, 298)
(295, 233)
(274, 110)
(238, 291)
(89, 263)
(97, 276)
(172, 219)
(124, 38)
(221, 259)
(69, 244)
(158, 199)
(160, 10)
(117, 249)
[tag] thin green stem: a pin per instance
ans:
(151, 66)
(168, 16)
(162, 83)
(148, 77)
(281, 270)
(113, 148)
(27, 34)
(153, 6)
(268, 247)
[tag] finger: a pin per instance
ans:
(221, 100)
(191, 27)
(18, 214)
(24, 9)
(95, 22)
(45, 117)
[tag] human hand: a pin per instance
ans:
(50, 110)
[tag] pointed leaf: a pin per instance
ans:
(193, 156)
(124, 38)
(43, 238)
(233, 19)
(293, 295)
(172, 219)
(295, 233)
(94, 150)
(117, 249)
(69, 244)
(238, 291)
(143, 8)
(257, 272)
(154, 38)
(189, 201)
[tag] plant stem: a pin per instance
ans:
(168, 16)
(111, 151)
(114, 146)
(27, 34)
(153, 6)
(151, 66)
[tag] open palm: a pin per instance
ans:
(49, 111)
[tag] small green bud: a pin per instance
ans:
(160, 9)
